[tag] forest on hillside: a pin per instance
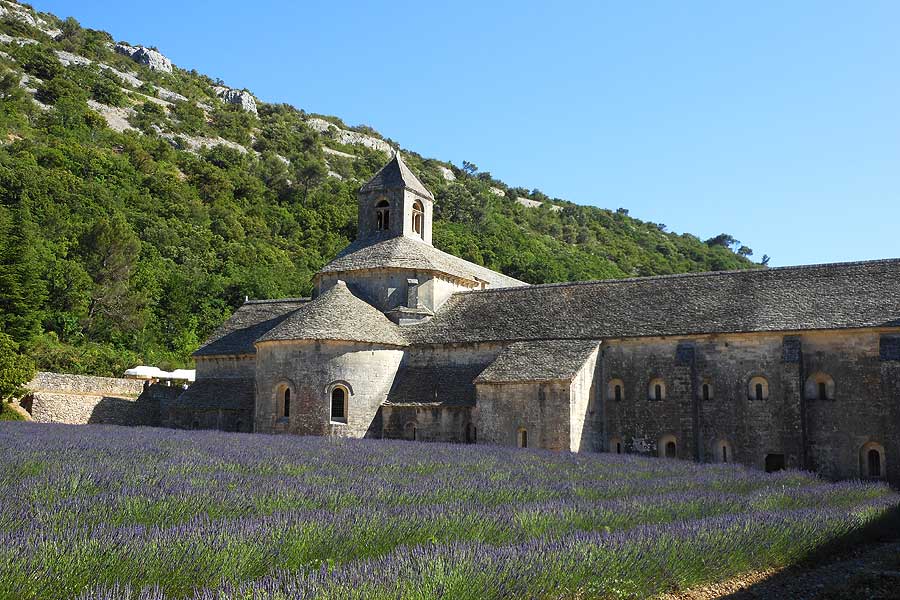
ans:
(128, 245)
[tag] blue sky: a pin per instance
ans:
(776, 122)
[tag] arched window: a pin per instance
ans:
(522, 438)
(668, 447)
(417, 217)
(410, 431)
(722, 452)
(339, 404)
(706, 391)
(872, 461)
(281, 402)
(615, 445)
(758, 388)
(657, 390)
(471, 433)
(237, 426)
(195, 425)
(383, 216)
(819, 386)
(615, 390)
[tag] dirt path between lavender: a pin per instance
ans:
(870, 572)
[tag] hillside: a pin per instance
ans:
(142, 202)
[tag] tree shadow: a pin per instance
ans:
(798, 581)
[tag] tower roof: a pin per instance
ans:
(412, 254)
(396, 175)
(337, 315)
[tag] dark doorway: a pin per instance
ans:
(774, 462)
(874, 459)
(671, 450)
(471, 434)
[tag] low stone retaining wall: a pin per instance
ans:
(82, 399)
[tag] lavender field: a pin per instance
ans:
(114, 513)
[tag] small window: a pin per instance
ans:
(195, 425)
(286, 405)
(758, 388)
(819, 386)
(667, 447)
(237, 426)
(615, 445)
(410, 432)
(706, 392)
(417, 217)
(721, 451)
(339, 404)
(522, 440)
(774, 462)
(615, 390)
(383, 216)
(657, 390)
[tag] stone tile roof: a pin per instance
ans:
(545, 360)
(435, 385)
(407, 253)
(215, 393)
(396, 175)
(246, 325)
(830, 296)
(337, 315)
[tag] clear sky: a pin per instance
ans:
(775, 122)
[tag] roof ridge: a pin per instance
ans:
(698, 274)
(276, 300)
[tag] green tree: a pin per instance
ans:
(15, 369)
(110, 250)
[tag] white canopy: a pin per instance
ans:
(145, 372)
(184, 374)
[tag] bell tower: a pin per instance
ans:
(394, 203)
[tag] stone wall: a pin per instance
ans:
(584, 419)
(541, 409)
(430, 424)
(790, 424)
(81, 399)
(311, 370)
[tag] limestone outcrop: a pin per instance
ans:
(11, 10)
(241, 98)
(146, 56)
(350, 138)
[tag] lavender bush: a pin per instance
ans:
(115, 513)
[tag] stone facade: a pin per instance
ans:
(774, 368)
(80, 399)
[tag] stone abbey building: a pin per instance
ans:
(773, 368)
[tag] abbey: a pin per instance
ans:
(777, 368)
